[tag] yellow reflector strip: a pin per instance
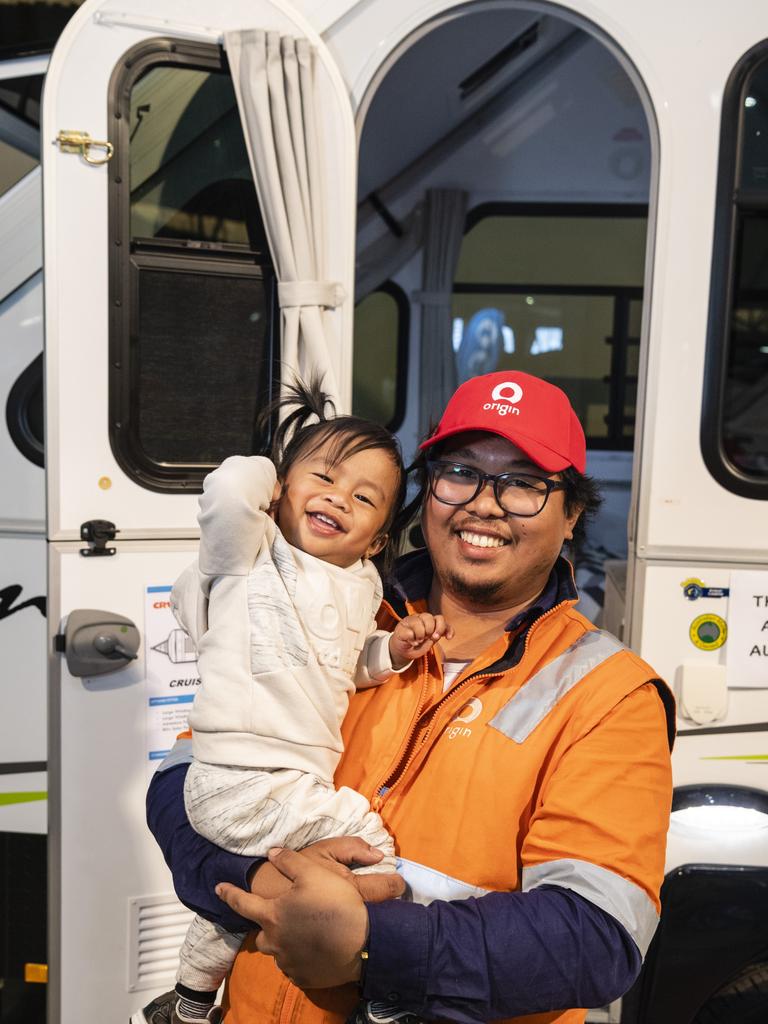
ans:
(36, 973)
(21, 798)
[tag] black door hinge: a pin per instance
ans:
(97, 532)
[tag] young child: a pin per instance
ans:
(281, 605)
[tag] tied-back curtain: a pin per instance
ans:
(443, 232)
(274, 80)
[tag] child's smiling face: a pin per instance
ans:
(338, 512)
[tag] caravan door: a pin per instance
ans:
(162, 340)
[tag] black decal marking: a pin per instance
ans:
(9, 594)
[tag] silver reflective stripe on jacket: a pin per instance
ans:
(425, 884)
(617, 896)
(536, 698)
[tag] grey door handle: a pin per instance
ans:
(96, 642)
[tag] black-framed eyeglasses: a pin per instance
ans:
(519, 494)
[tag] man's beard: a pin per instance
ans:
(480, 593)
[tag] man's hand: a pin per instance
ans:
(415, 635)
(316, 930)
(342, 854)
(339, 856)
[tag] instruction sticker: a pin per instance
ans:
(172, 678)
(747, 662)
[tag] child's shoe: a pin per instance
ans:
(382, 1013)
(163, 1010)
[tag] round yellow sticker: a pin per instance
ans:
(708, 632)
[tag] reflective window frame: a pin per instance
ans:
(623, 295)
(227, 259)
(732, 206)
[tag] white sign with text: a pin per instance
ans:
(747, 647)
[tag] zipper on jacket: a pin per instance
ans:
(540, 619)
(395, 776)
(378, 795)
(391, 781)
(289, 1002)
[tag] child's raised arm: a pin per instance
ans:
(233, 514)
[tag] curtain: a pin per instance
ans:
(443, 233)
(274, 80)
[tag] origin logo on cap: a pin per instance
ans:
(504, 398)
(531, 413)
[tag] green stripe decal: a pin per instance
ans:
(22, 798)
(737, 757)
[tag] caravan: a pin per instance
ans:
(577, 190)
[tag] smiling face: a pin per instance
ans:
(338, 512)
(483, 556)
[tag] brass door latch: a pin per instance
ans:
(82, 143)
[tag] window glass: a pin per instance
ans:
(558, 295)
(195, 343)
(189, 172)
(754, 145)
(745, 405)
(380, 333)
(566, 250)
(560, 337)
(19, 128)
(734, 426)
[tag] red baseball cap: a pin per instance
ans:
(528, 411)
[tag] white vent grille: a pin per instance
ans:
(157, 926)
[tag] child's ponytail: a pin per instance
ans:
(312, 407)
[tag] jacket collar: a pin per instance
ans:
(412, 578)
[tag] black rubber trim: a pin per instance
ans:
(403, 333)
(23, 767)
(712, 730)
(727, 219)
(17, 412)
(499, 209)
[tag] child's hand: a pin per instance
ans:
(415, 635)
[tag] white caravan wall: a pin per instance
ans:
(22, 495)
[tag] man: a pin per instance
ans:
(522, 767)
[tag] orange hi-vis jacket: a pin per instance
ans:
(548, 768)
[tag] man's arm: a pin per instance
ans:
(197, 865)
(504, 955)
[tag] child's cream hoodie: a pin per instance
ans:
(282, 637)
